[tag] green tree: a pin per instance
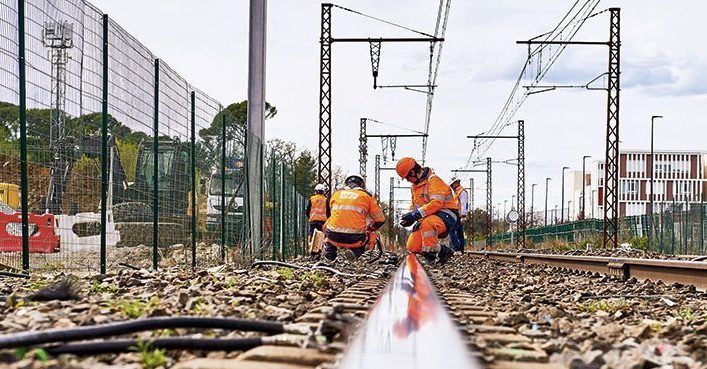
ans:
(235, 116)
(305, 170)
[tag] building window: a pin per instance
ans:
(629, 187)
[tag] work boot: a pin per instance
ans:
(429, 258)
(329, 252)
(445, 253)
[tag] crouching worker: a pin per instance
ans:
(355, 214)
(434, 211)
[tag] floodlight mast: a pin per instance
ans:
(58, 37)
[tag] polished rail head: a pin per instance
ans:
(408, 327)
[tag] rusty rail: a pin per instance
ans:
(408, 327)
(667, 271)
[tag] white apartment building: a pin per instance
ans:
(679, 176)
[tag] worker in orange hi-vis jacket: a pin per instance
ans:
(433, 213)
(355, 214)
(317, 209)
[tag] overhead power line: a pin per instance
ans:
(440, 31)
(382, 20)
(537, 64)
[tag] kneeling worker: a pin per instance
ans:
(352, 208)
(434, 212)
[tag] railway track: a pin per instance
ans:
(482, 320)
(668, 271)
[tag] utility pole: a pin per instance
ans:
(547, 181)
(363, 143)
(325, 85)
(584, 185)
(611, 167)
(257, 50)
(391, 213)
(362, 149)
(562, 201)
(532, 203)
(377, 177)
(324, 162)
(650, 209)
(522, 224)
(489, 192)
(471, 208)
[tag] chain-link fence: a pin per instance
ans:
(111, 157)
(677, 228)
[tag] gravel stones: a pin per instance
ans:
(580, 320)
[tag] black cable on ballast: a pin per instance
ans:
(22, 339)
(14, 275)
(128, 266)
(170, 343)
(278, 263)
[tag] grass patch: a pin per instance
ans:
(231, 282)
(686, 314)
(26, 352)
(137, 308)
(36, 284)
(609, 306)
(97, 287)
(316, 278)
(200, 307)
(286, 273)
(150, 357)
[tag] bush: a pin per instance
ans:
(639, 243)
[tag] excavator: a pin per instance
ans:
(129, 203)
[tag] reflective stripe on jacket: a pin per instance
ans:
(317, 211)
(431, 195)
(352, 211)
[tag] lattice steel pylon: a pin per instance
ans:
(489, 203)
(520, 241)
(324, 162)
(375, 60)
(377, 187)
(611, 167)
(362, 149)
(391, 212)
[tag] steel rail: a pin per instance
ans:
(408, 327)
(668, 271)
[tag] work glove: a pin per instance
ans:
(463, 219)
(409, 218)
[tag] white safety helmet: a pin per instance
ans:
(355, 177)
(454, 179)
(320, 187)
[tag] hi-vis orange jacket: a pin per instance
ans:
(352, 210)
(317, 208)
(431, 195)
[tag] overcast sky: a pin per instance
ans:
(662, 57)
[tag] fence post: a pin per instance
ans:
(104, 148)
(672, 228)
(222, 250)
(702, 226)
(685, 222)
(272, 204)
(281, 219)
(24, 181)
(155, 166)
(194, 205)
(245, 234)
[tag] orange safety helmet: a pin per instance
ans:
(404, 166)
